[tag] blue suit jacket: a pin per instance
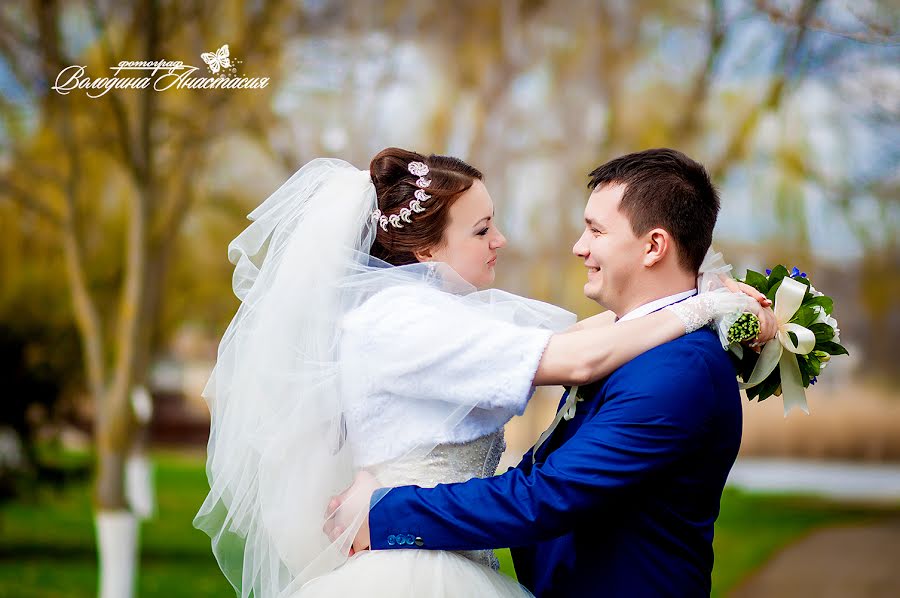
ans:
(622, 498)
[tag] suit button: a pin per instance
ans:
(392, 540)
(409, 539)
(419, 541)
(400, 540)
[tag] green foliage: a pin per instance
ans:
(805, 316)
(825, 302)
(831, 348)
(33, 377)
(823, 332)
(757, 281)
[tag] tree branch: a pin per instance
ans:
(30, 202)
(86, 314)
(743, 133)
(687, 126)
(120, 115)
(874, 33)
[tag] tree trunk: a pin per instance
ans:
(117, 541)
(117, 534)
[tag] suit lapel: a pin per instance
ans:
(567, 428)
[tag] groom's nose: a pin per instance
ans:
(581, 247)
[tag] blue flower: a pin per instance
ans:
(795, 271)
(813, 380)
(803, 275)
(768, 272)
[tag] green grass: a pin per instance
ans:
(47, 545)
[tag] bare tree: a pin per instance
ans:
(156, 144)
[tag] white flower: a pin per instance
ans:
(824, 318)
(814, 292)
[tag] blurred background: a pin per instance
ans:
(117, 205)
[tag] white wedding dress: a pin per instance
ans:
(412, 359)
(426, 573)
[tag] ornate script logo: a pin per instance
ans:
(162, 76)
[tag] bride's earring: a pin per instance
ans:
(432, 271)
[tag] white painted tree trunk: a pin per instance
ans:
(117, 539)
(139, 488)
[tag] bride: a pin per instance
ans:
(363, 343)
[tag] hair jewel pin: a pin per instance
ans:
(418, 169)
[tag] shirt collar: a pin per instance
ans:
(656, 305)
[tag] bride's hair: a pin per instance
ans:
(395, 187)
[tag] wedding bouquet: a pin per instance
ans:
(807, 338)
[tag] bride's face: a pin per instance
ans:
(471, 239)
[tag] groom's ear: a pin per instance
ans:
(657, 246)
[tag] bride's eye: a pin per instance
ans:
(483, 232)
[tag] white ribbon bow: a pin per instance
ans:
(566, 412)
(788, 299)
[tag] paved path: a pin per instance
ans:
(844, 481)
(859, 561)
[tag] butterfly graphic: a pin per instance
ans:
(217, 61)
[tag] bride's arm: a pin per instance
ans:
(581, 356)
(578, 357)
(604, 319)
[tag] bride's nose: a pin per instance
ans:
(498, 241)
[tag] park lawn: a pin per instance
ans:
(47, 545)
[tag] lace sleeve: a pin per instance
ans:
(698, 311)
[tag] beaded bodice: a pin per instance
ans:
(446, 464)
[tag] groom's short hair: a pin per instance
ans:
(665, 189)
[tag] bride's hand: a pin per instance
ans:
(740, 287)
(767, 324)
(349, 508)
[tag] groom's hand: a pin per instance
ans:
(351, 508)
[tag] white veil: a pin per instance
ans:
(278, 446)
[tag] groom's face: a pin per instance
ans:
(611, 252)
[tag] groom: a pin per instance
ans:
(620, 500)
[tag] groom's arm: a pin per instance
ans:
(646, 424)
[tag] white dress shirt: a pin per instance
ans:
(656, 305)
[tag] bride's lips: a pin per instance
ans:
(492, 261)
